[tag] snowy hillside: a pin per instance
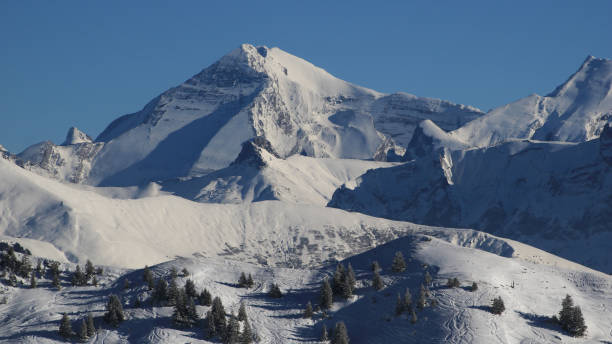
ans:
(574, 112)
(259, 175)
(532, 291)
(556, 196)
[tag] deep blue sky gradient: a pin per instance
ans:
(84, 63)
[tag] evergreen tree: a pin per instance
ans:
(413, 317)
(205, 298)
(324, 337)
(114, 311)
(498, 306)
(347, 289)
(399, 305)
(377, 282)
(173, 292)
(422, 298)
(218, 313)
(232, 333)
(78, 277)
(250, 282)
(39, 267)
(326, 297)
(147, 277)
(571, 319)
(350, 277)
(33, 283)
(375, 266)
(242, 316)
(308, 313)
(246, 337)
(83, 330)
(275, 291)
(126, 284)
(173, 273)
(474, 286)
(453, 283)
(160, 294)
(94, 281)
(12, 279)
(340, 335)
(242, 280)
(91, 328)
(56, 281)
(211, 329)
(89, 269)
(407, 300)
(399, 264)
(427, 278)
(338, 279)
(185, 272)
(65, 328)
(190, 289)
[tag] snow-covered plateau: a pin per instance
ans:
(267, 165)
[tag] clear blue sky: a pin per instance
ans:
(84, 63)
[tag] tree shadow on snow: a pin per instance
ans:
(541, 321)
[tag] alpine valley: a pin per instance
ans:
(265, 165)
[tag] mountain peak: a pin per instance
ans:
(75, 136)
(595, 74)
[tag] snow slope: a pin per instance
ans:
(555, 196)
(461, 316)
(574, 112)
(133, 232)
(259, 175)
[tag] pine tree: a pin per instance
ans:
(326, 297)
(242, 315)
(453, 283)
(147, 277)
(308, 313)
(375, 266)
(173, 291)
(498, 306)
(218, 313)
(246, 337)
(474, 286)
(89, 269)
(340, 335)
(422, 298)
(185, 272)
(232, 333)
(242, 280)
(250, 282)
(350, 277)
(78, 278)
(65, 328)
(399, 306)
(399, 264)
(126, 284)
(91, 328)
(347, 289)
(33, 283)
(407, 300)
(275, 291)
(190, 289)
(427, 278)
(338, 279)
(13, 279)
(114, 311)
(211, 329)
(413, 317)
(324, 337)
(56, 281)
(160, 294)
(83, 330)
(377, 282)
(571, 319)
(94, 281)
(205, 298)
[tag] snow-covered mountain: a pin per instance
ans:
(553, 195)
(576, 111)
(199, 126)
